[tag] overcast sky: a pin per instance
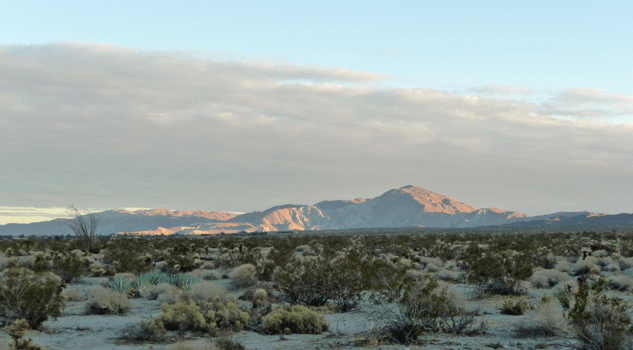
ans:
(239, 106)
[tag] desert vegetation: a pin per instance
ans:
(567, 289)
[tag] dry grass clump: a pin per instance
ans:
(73, 294)
(102, 301)
(243, 275)
(548, 278)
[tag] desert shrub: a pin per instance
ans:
(425, 305)
(209, 317)
(301, 281)
(73, 294)
(625, 263)
(431, 268)
(206, 292)
(563, 266)
(548, 278)
(181, 317)
(224, 343)
(448, 275)
(206, 275)
(4, 261)
(125, 258)
(584, 266)
(619, 283)
(103, 301)
(498, 274)
(145, 331)
(316, 280)
(514, 306)
(547, 320)
(243, 276)
(599, 321)
(299, 319)
(260, 297)
(180, 261)
(34, 297)
(566, 287)
(154, 292)
(17, 331)
(425, 261)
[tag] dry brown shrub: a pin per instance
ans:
(106, 301)
(154, 292)
(74, 294)
(243, 275)
(205, 292)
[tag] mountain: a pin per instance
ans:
(408, 206)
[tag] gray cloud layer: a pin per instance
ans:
(103, 126)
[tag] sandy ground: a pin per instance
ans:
(76, 330)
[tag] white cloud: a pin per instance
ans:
(87, 123)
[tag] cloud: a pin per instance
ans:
(500, 89)
(91, 123)
(589, 103)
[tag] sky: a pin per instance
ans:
(241, 105)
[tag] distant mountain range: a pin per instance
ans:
(408, 206)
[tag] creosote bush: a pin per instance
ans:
(497, 273)
(422, 306)
(599, 321)
(30, 296)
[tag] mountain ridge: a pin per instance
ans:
(407, 206)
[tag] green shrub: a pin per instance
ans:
(299, 319)
(34, 297)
